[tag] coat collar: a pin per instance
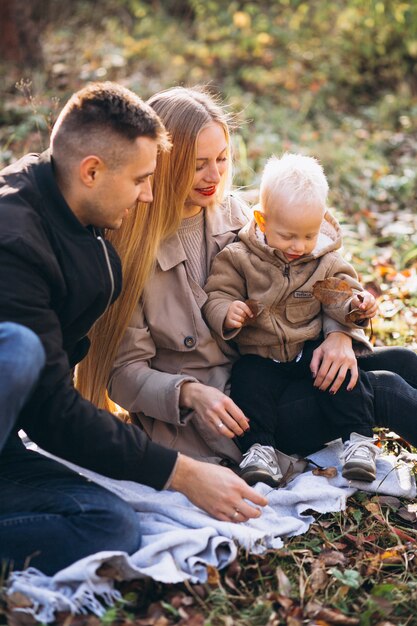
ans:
(329, 240)
(170, 253)
(54, 203)
(220, 221)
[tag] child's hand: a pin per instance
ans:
(237, 313)
(366, 304)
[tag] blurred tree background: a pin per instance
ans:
(335, 80)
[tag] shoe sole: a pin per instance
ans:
(357, 473)
(251, 477)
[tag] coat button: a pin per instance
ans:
(189, 342)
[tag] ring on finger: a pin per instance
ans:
(220, 425)
(235, 514)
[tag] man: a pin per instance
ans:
(57, 276)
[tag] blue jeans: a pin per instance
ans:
(22, 358)
(49, 515)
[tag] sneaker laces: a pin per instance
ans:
(260, 454)
(360, 449)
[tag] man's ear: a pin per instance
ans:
(89, 169)
(260, 220)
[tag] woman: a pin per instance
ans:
(168, 372)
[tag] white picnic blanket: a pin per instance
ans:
(180, 541)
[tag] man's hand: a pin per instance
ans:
(237, 313)
(331, 362)
(217, 490)
(217, 409)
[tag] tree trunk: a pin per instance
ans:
(19, 33)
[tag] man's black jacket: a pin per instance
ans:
(57, 277)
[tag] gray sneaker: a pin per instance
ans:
(359, 458)
(260, 464)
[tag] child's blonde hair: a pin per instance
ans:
(293, 178)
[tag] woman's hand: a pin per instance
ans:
(217, 409)
(331, 362)
(217, 490)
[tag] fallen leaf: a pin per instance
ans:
(332, 291)
(286, 602)
(354, 316)
(197, 619)
(284, 585)
(318, 577)
(332, 557)
(179, 600)
(18, 618)
(408, 514)
(327, 472)
(18, 600)
(151, 621)
(333, 616)
(108, 570)
(391, 501)
(373, 508)
(213, 576)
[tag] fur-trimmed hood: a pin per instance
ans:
(329, 240)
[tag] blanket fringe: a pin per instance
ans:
(47, 597)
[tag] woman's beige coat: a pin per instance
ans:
(168, 342)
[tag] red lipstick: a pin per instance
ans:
(207, 191)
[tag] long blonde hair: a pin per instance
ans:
(184, 113)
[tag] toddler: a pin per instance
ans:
(260, 295)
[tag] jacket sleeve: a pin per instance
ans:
(56, 417)
(338, 311)
(225, 285)
(136, 386)
(334, 316)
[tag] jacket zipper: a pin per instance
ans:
(286, 273)
(106, 256)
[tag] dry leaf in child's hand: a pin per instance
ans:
(256, 308)
(354, 315)
(327, 472)
(332, 291)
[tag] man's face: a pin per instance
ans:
(118, 190)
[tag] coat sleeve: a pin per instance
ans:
(341, 269)
(225, 284)
(56, 417)
(139, 388)
(334, 316)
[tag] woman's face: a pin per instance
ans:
(211, 165)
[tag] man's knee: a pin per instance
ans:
(21, 354)
(120, 527)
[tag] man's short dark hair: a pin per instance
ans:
(103, 118)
